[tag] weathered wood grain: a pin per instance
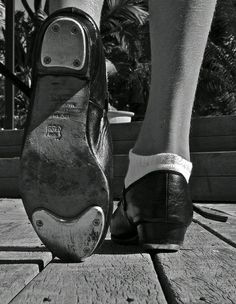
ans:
(225, 231)
(15, 229)
(202, 272)
(111, 278)
(200, 127)
(213, 178)
(10, 151)
(17, 269)
(19, 236)
(207, 134)
(197, 144)
(213, 143)
(11, 208)
(21, 257)
(213, 188)
(18, 265)
(9, 167)
(10, 143)
(9, 187)
(229, 208)
(11, 137)
(13, 278)
(116, 274)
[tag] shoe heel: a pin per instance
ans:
(161, 236)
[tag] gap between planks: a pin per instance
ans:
(202, 272)
(106, 278)
(225, 231)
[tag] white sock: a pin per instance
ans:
(140, 165)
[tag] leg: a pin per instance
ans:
(93, 8)
(157, 207)
(179, 31)
(65, 169)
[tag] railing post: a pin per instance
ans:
(10, 63)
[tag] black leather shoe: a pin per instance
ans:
(155, 210)
(66, 159)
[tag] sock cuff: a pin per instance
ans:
(140, 165)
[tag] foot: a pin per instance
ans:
(155, 210)
(66, 156)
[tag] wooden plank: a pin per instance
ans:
(9, 167)
(10, 143)
(11, 137)
(229, 209)
(13, 278)
(12, 208)
(204, 164)
(17, 234)
(225, 231)
(197, 144)
(122, 146)
(10, 151)
(108, 277)
(213, 143)
(202, 272)
(125, 131)
(19, 257)
(214, 163)
(207, 134)
(213, 179)
(17, 269)
(9, 187)
(18, 264)
(203, 127)
(216, 189)
(213, 126)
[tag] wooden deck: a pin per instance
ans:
(202, 272)
(213, 152)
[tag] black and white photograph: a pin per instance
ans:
(118, 151)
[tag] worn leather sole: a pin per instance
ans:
(155, 236)
(64, 190)
(161, 236)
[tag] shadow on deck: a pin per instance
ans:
(202, 272)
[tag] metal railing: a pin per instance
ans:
(10, 63)
(37, 16)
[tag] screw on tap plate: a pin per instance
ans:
(56, 28)
(96, 222)
(39, 223)
(47, 60)
(74, 30)
(76, 63)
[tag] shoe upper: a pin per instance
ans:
(93, 74)
(160, 196)
(98, 130)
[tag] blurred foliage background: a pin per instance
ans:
(125, 35)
